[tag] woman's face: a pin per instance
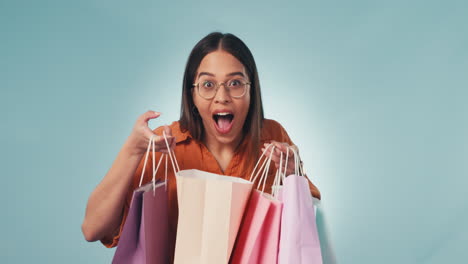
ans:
(223, 116)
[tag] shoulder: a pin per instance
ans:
(273, 130)
(176, 131)
(271, 124)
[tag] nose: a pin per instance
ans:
(222, 95)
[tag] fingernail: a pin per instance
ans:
(156, 113)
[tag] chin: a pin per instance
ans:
(226, 139)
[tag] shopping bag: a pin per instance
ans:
(258, 238)
(144, 237)
(299, 240)
(211, 207)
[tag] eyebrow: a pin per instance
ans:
(229, 75)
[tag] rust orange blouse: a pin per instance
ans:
(192, 154)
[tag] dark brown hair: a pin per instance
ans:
(190, 119)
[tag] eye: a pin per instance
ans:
(234, 83)
(207, 84)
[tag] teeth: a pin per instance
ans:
(223, 114)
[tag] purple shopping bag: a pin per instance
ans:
(144, 236)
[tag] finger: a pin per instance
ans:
(266, 152)
(168, 131)
(173, 145)
(164, 148)
(276, 143)
(161, 142)
(144, 118)
(290, 168)
(290, 171)
(280, 154)
(276, 159)
(295, 148)
(283, 157)
(172, 142)
(285, 148)
(282, 146)
(169, 142)
(269, 145)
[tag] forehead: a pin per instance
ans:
(220, 63)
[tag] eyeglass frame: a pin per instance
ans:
(197, 85)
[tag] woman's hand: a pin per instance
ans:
(104, 210)
(281, 147)
(137, 142)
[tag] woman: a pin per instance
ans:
(221, 130)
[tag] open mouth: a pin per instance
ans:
(223, 121)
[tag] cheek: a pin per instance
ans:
(196, 100)
(245, 105)
(201, 105)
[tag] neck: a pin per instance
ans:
(220, 149)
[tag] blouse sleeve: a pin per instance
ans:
(114, 240)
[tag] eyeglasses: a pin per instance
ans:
(208, 89)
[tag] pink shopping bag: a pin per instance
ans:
(299, 240)
(258, 238)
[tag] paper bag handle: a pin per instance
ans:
(298, 168)
(266, 170)
(172, 156)
(252, 177)
(151, 142)
(280, 176)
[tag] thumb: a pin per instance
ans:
(168, 131)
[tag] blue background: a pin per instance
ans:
(373, 92)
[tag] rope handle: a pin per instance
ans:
(150, 143)
(146, 159)
(175, 164)
(266, 170)
(277, 181)
(298, 168)
(252, 177)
